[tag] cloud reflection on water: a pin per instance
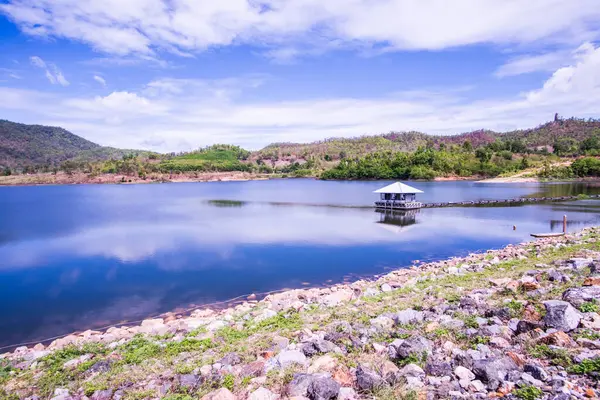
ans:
(219, 231)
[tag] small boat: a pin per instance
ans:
(547, 235)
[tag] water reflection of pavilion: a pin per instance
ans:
(398, 219)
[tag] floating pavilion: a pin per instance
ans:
(398, 196)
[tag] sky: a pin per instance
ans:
(176, 75)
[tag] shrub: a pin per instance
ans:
(590, 306)
(587, 367)
(139, 349)
(528, 393)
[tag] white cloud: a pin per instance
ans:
(53, 74)
(123, 27)
(547, 62)
(179, 114)
(37, 61)
(9, 72)
(100, 80)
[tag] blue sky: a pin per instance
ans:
(171, 75)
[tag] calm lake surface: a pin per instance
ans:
(79, 257)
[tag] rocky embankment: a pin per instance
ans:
(522, 322)
(80, 178)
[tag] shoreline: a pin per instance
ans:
(522, 276)
(62, 178)
(115, 179)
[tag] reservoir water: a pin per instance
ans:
(80, 257)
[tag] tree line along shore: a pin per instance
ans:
(521, 322)
(562, 149)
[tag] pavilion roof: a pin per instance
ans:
(398, 187)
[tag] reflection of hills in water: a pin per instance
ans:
(226, 203)
(397, 219)
(566, 189)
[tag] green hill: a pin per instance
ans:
(564, 132)
(23, 145)
(219, 157)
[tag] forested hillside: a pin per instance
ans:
(29, 147)
(395, 155)
(22, 144)
(564, 134)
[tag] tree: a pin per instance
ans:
(565, 147)
(483, 155)
(591, 143)
(467, 146)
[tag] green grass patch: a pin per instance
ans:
(479, 340)
(188, 345)
(528, 393)
(280, 322)
(587, 367)
(178, 397)
(587, 334)
(229, 382)
(5, 370)
(556, 356)
(590, 306)
(90, 387)
(231, 335)
(515, 308)
(413, 358)
(139, 349)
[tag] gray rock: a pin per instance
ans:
(415, 345)
(102, 395)
(463, 358)
(408, 316)
(526, 326)
(493, 371)
(318, 347)
(464, 374)
(580, 295)
(347, 393)
(537, 372)
(579, 263)
(411, 370)
(367, 380)
(370, 292)
(386, 288)
(589, 344)
(61, 394)
(555, 276)
(438, 368)
(561, 315)
(189, 381)
(263, 394)
(299, 384)
(100, 366)
(560, 396)
(528, 380)
(382, 322)
(323, 389)
(231, 359)
(286, 358)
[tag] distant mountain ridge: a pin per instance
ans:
(547, 134)
(23, 145)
